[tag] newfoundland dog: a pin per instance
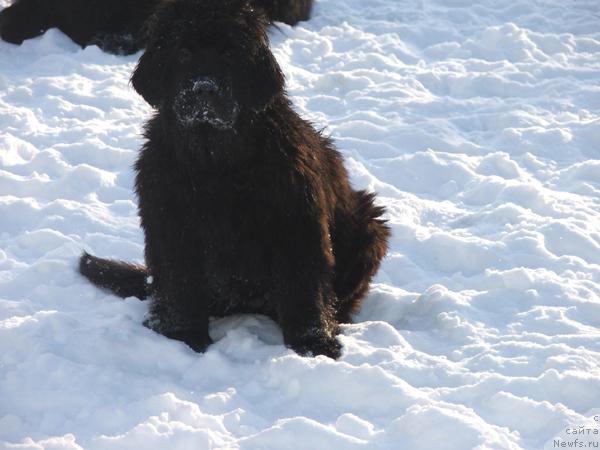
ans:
(116, 26)
(246, 208)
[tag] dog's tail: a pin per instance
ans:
(121, 278)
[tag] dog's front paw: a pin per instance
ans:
(315, 343)
(196, 341)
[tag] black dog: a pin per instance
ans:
(116, 26)
(245, 207)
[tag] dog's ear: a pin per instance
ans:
(261, 81)
(149, 76)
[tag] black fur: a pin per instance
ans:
(124, 279)
(287, 11)
(244, 205)
(116, 26)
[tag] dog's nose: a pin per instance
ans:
(208, 91)
(206, 86)
(206, 100)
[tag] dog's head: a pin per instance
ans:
(207, 60)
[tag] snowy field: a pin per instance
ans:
(478, 123)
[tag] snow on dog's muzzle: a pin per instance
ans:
(206, 101)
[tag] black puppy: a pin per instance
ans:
(116, 26)
(245, 207)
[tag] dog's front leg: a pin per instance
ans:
(305, 297)
(179, 311)
(179, 308)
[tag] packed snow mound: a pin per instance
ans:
(479, 126)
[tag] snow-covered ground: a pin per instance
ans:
(479, 125)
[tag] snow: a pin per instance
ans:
(479, 126)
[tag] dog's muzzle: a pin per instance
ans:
(205, 101)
